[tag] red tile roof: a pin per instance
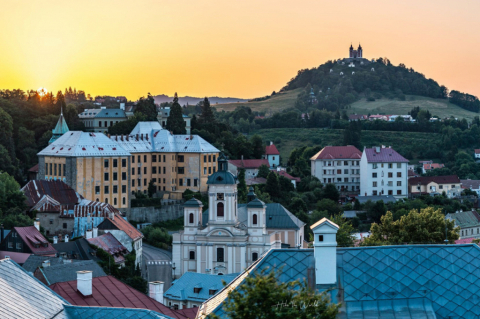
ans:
(190, 313)
(432, 166)
(271, 150)
(338, 152)
(58, 190)
(477, 151)
(122, 224)
(32, 237)
(357, 117)
(425, 180)
(285, 174)
(385, 155)
(107, 291)
(34, 169)
(111, 245)
(249, 163)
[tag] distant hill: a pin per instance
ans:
(190, 100)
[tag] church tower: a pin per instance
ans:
(222, 195)
(360, 51)
(60, 129)
(351, 51)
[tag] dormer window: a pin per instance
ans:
(196, 290)
(211, 292)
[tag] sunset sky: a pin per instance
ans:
(231, 48)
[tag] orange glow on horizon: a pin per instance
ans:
(224, 48)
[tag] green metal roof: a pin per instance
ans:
(193, 202)
(222, 178)
(256, 203)
(60, 129)
(465, 219)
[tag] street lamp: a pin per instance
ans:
(173, 267)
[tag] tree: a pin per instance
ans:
(175, 122)
(125, 127)
(376, 210)
(258, 148)
(152, 189)
(425, 226)
(146, 106)
(328, 205)
(264, 296)
(207, 116)
(352, 134)
(330, 191)
(263, 171)
(273, 186)
(10, 193)
(344, 233)
(242, 187)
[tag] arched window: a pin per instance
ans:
(190, 220)
(254, 256)
(254, 219)
(192, 254)
(220, 212)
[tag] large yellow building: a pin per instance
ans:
(110, 169)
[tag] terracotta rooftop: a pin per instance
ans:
(432, 166)
(271, 150)
(108, 291)
(34, 169)
(285, 174)
(32, 238)
(425, 180)
(477, 151)
(122, 224)
(111, 245)
(249, 163)
(383, 155)
(338, 152)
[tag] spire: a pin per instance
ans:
(60, 129)
(351, 46)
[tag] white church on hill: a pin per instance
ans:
(228, 237)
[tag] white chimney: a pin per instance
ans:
(122, 106)
(155, 290)
(95, 232)
(88, 234)
(46, 263)
(84, 282)
(66, 238)
(67, 261)
(55, 239)
(271, 143)
(325, 251)
(36, 223)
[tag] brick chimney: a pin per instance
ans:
(84, 282)
(155, 290)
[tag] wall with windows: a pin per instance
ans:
(343, 173)
(383, 178)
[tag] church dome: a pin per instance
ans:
(256, 203)
(222, 176)
(193, 202)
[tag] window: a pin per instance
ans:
(123, 200)
(115, 189)
(320, 237)
(375, 165)
(339, 171)
(192, 254)
(144, 158)
(209, 170)
(124, 176)
(374, 193)
(115, 163)
(374, 184)
(204, 171)
(99, 123)
(59, 169)
(345, 171)
(19, 245)
(133, 170)
(390, 175)
(254, 219)
(214, 158)
(181, 170)
(164, 170)
(139, 170)
(105, 163)
(195, 182)
(124, 162)
(254, 256)
(138, 158)
(181, 158)
(154, 158)
(97, 189)
(399, 174)
(190, 218)
(453, 186)
(345, 179)
(10, 244)
(390, 192)
(220, 257)
(144, 182)
(209, 158)
(133, 159)
(124, 189)
(374, 175)
(390, 165)
(51, 221)
(115, 201)
(220, 212)
(105, 177)
(164, 158)
(55, 169)
(399, 183)
(106, 190)
(51, 169)
(399, 165)
(399, 192)
(115, 176)
(154, 170)
(180, 182)
(64, 225)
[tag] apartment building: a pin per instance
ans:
(339, 165)
(435, 185)
(99, 120)
(384, 172)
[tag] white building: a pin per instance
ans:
(339, 165)
(228, 237)
(468, 221)
(272, 155)
(250, 166)
(477, 153)
(383, 172)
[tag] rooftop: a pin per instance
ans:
(338, 152)
(383, 155)
(111, 113)
(111, 245)
(271, 150)
(121, 224)
(425, 180)
(463, 219)
(58, 190)
(33, 262)
(286, 175)
(470, 183)
(249, 163)
(67, 272)
(35, 240)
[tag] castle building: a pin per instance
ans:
(358, 53)
(228, 237)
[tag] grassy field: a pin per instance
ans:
(279, 102)
(288, 139)
(441, 108)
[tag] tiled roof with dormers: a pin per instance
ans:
(337, 152)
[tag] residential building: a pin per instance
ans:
(174, 163)
(99, 120)
(255, 181)
(378, 117)
(124, 232)
(111, 245)
(272, 155)
(426, 167)
(192, 289)
(468, 221)
(24, 296)
(60, 129)
(338, 165)
(27, 240)
(406, 118)
(228, 237)
(294, 180)
(435, 185)
(472, 184)
(416, 281)
(477, 153)
(51, 274)
(383, 172)
(357, 117)
(164, 112)
(92, 164)
(75, 250)
(250, 166)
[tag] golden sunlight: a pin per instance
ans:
(42, 91)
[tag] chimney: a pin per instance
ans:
(137, 137)
(88, 234)
(141, 136)
(377, 149)
(325, 251)
(2, 234)
(95, 232)
(271, 143)
(155, 290)
(66, 238)
(67, 261)
(36, 223)
(111, 216)
(55, 239)
(242, 157)
(84, 282)
(46, 264)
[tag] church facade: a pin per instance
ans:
(354, 54)
(228, 237)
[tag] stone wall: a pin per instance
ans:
(153, 215)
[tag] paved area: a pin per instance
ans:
(157, 265)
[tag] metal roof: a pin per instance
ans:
(67, 272)
(72, 312)
(33, 262)
(80, 247)
(146, 127)
(383, 155)
(35, 190)
(418, 281)
(32, 237)
(222, 178)
(425, 180)
(464, 219)
(82, 144)
(193, 202)
(182, 289)
(249, 163)
(120, 223)
(111, 245)
(111, 113)
(470, 183)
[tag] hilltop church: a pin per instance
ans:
(228, 237)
